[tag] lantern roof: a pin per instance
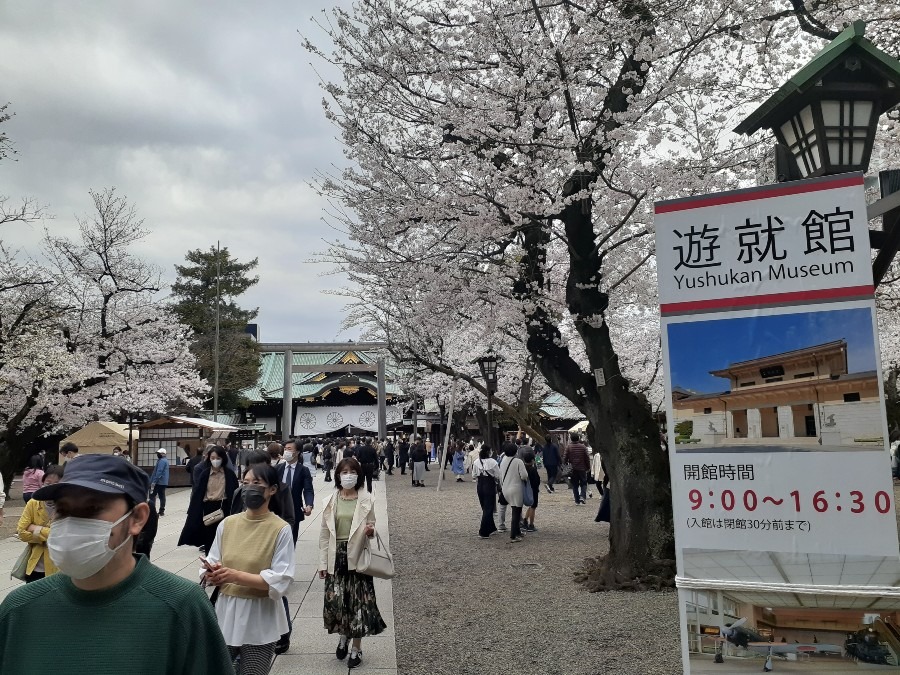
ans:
(851, 42)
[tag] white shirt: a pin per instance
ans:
(486, 467)
(257, 621)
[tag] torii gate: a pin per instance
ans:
(287, 417)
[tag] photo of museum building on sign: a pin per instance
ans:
(800, 399)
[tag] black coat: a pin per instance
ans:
(192, 464)
(418, 453)
(367, 455)
(403, 453)
(194, 530)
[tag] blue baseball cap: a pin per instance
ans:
(103, 473)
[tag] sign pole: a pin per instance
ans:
(447, 433)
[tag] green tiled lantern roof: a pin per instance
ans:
(852, 39)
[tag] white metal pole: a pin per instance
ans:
(216, 356)
(447, 433)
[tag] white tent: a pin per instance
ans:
(100, 438)
(580, 428)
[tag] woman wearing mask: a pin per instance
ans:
(34, 529)
(32, 477)
(213, 490)
(252, 562)
(348, 517)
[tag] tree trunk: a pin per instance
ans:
(622, 428)
(491, 439)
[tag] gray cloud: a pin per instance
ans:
(206, 115)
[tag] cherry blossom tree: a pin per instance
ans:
(84, 336)
(505, 158)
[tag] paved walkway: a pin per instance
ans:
(312, 649)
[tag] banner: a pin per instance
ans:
(321, 420)
(785, 526)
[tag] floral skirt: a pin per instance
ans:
(350, 607)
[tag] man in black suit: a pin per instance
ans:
(298, 479)
(368, 459)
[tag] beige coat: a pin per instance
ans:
(364, 513)
(513, 485)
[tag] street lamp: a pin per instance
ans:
(825, 118)
(826, 115)
(488, 366)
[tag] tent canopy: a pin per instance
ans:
(101, 437)
(580, 428)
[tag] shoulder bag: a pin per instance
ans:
(18, 570)
(527, 493)
(375, 559)
(215, 516)
(502, 499)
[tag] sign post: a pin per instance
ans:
(786, 535)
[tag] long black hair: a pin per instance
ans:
(267, 474)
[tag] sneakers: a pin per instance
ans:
(341, 651)
(355, 659)
(530, 528)
(516, 540)
(547, 485)
(502, 527)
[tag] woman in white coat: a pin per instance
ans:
(348, 517)
(513, 475)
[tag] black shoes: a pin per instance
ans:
(341, 651)
(355, 659)
(283, 644)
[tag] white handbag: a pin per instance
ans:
(375, 559)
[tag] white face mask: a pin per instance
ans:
(216, 463)
(288, 456)
(80, 548)
(348, 481)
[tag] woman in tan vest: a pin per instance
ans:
(348, 517)
(252, 562)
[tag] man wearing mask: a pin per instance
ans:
(299, 481)
(103, 589)
(159, 481)
(68, 452)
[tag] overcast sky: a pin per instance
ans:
(206, 115)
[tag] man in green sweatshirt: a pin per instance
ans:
(107, 611)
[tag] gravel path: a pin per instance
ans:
(467, 605)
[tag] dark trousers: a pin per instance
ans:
(403, 467)
(551, 475)
(390, 464)
(368, 470)
(159, 490)
(487, 497)
(579, 481)
(515, 527)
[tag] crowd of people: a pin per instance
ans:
(89, 528)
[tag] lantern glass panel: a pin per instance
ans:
(800, 136)
(846, 130)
